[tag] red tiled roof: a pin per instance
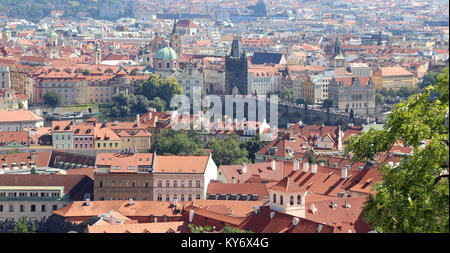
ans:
(280, 223)
(18, 115)
(20, 137)
(159, 227)
(242, 188)
(342, 213)
(75, 185)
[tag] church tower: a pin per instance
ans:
(147, 58)
(176, 40)
(287, 197)
(338, 59)
(52, 45)
(236, 70)
(98, 54)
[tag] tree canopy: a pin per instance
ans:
(52, 99)
(155, 87)
(176, 143)
(228, 151)
(414, 196)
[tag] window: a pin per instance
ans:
(197, 196)
(168, 65)
(182, 183)
(160, 183)
(281, 199)
(182, 197)
(43, 208)
(11, 208)
(167, 197)
(174, 183)
(101, 183)
(190, 197)
(299, 200)
(1, 208)
(197, 183)
(167, 183)
(291, 201)
(55, 207)
(274, 198)
(33, 208)
(22, 208)
(116, 167)
(146, 185)
(159, 197)
(130, 167)
(190, 183)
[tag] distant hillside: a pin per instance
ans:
(35, 10)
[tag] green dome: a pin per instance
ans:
(53, 34)
(166, 53)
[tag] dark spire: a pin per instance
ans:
(174, 29)
(337, 46)
(235, 48)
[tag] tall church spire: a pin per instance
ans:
(174, 29)
(337, 46)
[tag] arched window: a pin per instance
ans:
(292, 200)
(168, 65)
(274, 198)
(160, 65)
(299, 200)
(281, 199)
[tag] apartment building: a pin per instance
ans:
(17, 120)
(36, 196)
(146, 176)
(394, 78)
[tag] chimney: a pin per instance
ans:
(244, 168)
(88, 202)
(191, 215)
(345, 171)
(233, 179)
(137, 119)
(273, 164)
(295, 221)
(314, 168)
(347, 205)
(34, 156)
(131, 202)
(272, 214)
(313, 209)
(156, 219)
(319, 228)
(175, 202)
(296, 165)
(257, 210)
(305, 165)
